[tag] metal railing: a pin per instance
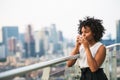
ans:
(11, 73)
(18, 71)
(110, 65)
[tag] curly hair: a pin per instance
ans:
(95, 25)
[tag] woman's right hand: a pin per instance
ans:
(74, 51)
(78, 41)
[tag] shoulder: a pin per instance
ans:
(100, 45)
(102, 49)
(101, 52)
(97, 46)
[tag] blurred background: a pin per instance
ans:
(34, 31)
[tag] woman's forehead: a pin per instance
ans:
(85, 28)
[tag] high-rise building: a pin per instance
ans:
(2, 51)
(54, 37)
(45, 38)
(12, 45)
(1, 38)
(29, 44)
(60, 36)
(53, 34)
(37, 42)
(21, 38)
(8, 32)
(118, 32)
(2, 46)
(42, 41)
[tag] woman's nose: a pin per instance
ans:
(83, 34)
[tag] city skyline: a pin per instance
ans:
(65, 14)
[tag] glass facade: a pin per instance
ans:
(8, 32)
(118, 32)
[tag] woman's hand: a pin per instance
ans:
(78, 42)
(84, 41)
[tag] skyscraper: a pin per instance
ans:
(54, 37)
(118, 32)
(42, 41)
(2, 46)
(53, 34)
(60, 36)
(2, 51)
(8, 32)
(29, 44)
(12, 45)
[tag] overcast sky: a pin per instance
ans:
(64, 13)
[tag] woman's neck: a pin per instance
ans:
(92, 42)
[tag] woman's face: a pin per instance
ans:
(87, 33)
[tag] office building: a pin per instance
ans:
(29, 43)
(7, 33)
(118, 32)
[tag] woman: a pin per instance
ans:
(92, 51)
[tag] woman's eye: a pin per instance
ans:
(87, 32)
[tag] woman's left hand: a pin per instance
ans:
(84, 42)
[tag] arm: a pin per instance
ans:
(72, 62)
(96, 62)
(74, 51)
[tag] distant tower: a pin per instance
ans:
(29, 44)
(12, 45)
(7, 33)
(60, 36)
(118, 32)
(53, 35)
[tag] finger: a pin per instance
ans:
(77, 40)
(78, 35)
(84, 37)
